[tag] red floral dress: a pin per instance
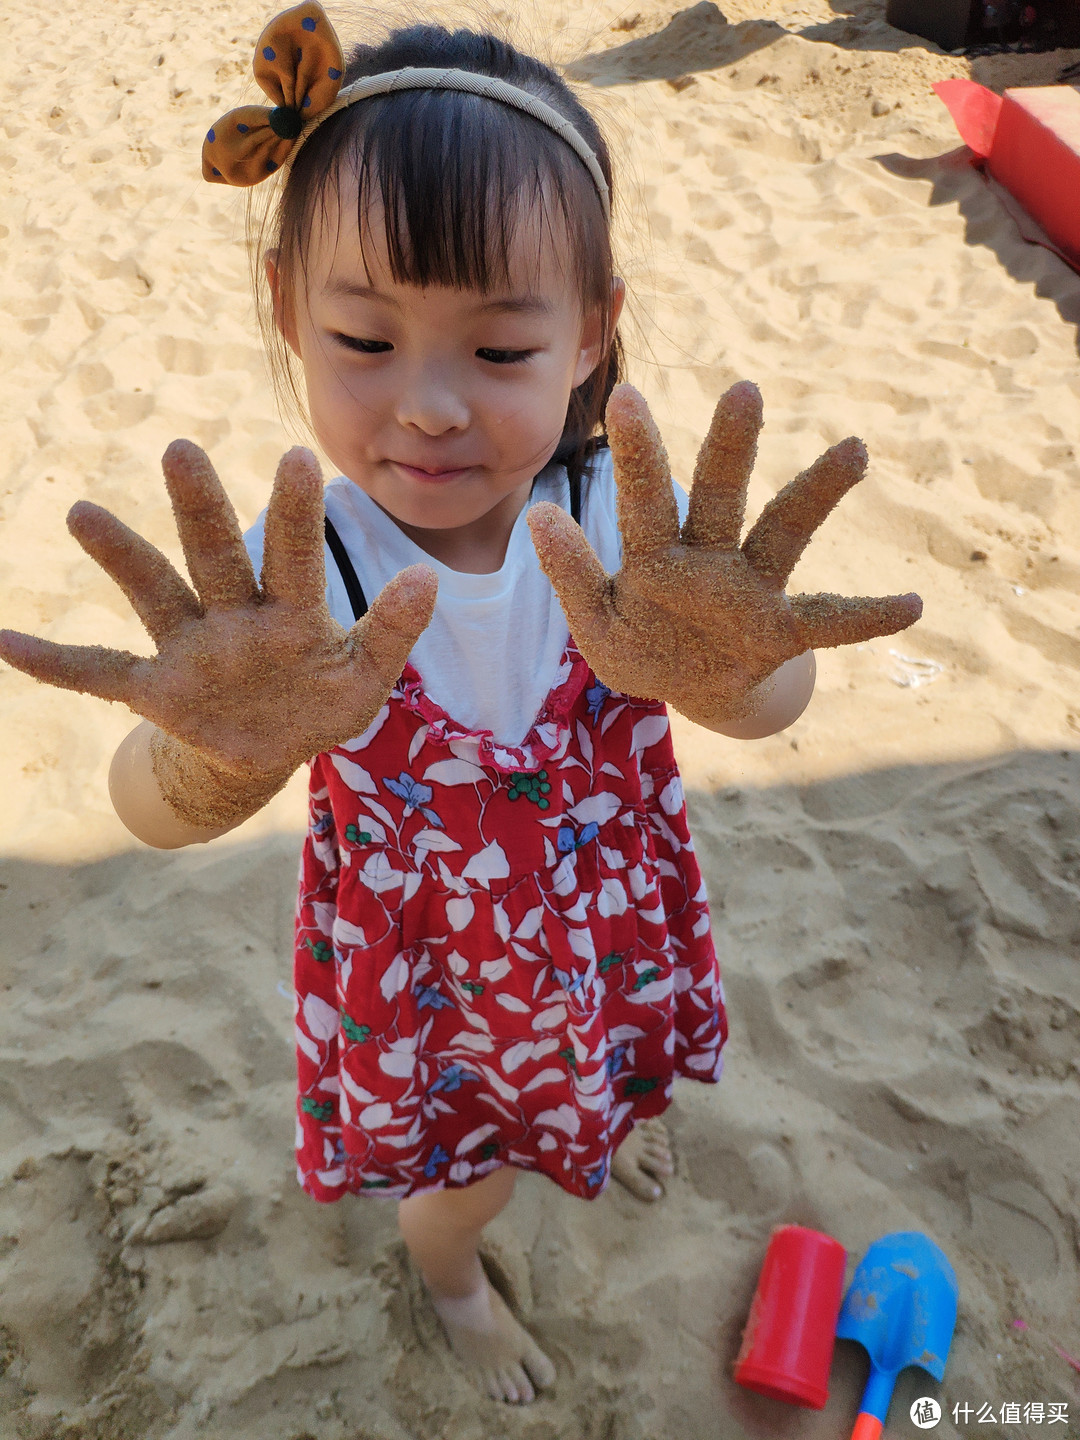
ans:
(503, 953)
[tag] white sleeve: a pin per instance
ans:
(682, 500)
(253, 540)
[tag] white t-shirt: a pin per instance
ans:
(492, 649)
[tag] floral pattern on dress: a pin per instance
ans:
(484, 979)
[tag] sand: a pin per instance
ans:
(895, 880)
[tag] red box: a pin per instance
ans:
(1036, 155)
(1030, 140)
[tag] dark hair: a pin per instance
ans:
(450, 170)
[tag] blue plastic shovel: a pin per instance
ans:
(901, 1306)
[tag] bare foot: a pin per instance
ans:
(503, 1357)
(643, 1159)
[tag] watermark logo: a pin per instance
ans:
(925, 1413)
(1012, 1412)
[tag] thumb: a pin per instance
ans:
(398, 616)
(825, 621)
(570, 563)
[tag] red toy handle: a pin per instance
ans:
(867, 1427)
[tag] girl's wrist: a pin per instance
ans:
(776, 702)
(137, 799)
(169, 796)
(204, 794)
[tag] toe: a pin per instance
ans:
(642, 1185)
(522, 1384)
(507, 1389)
(659, 1160)
(656, 1144)
(539, 1368)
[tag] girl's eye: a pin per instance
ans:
(364, 347)
(505, 357)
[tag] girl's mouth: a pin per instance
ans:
(432, 476)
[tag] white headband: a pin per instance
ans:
(419, 78)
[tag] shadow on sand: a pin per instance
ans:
(899, 949)
(957, 181)
(696, 39)
(699, 38)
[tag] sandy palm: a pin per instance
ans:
(257, 677)
(693, 616)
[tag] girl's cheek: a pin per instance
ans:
(354, 384)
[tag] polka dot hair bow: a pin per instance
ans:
(298, 63)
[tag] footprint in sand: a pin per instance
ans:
(181, 356)
(72, 1318)
(1036, 1035)
(118, 410)
(757, 1181)
(1015, 1223)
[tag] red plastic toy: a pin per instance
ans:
(787, 1346)
(1030, 140)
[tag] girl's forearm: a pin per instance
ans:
(168, 795)
(778, 702)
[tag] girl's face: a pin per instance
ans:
(442, 404)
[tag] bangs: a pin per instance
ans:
(457, 180)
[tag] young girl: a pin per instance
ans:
(503, 954)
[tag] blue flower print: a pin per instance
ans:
(322, 825)
(451, 1078)
(569, 982)
(437, 1157)
(428, 995)
(595, 1177)
(615, 1061)
(595, 697)
(566, 840)
(414, 794)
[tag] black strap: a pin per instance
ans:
(575, 497)
(355, 590)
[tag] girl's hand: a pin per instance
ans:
(249, 680)
(694, 617)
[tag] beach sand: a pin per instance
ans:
(894, 881)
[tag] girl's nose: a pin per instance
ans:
(430, 401)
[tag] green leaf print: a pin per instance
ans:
(319, 1110)
(614, 958)
(473, 987)
(570, 1058)
(356, 836)
(489, 1151)
(375, 1184)
(353, 1031)
(640, 1084)
(320, 950)
(646, 977)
